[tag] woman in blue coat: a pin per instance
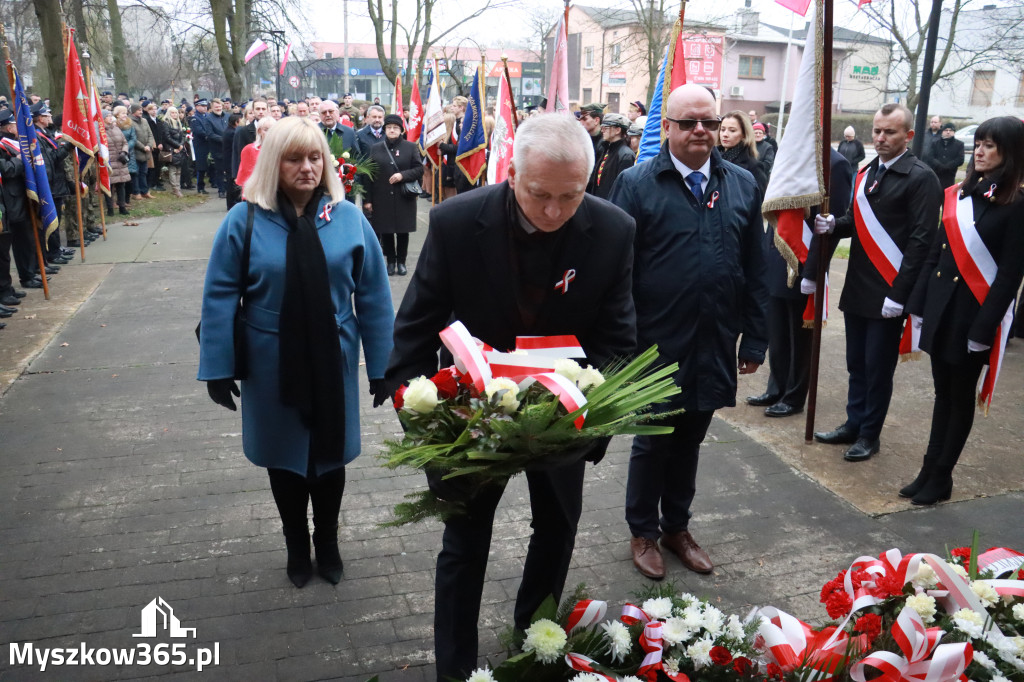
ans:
(316, 285)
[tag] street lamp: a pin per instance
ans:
(277, 36)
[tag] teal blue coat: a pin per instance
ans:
(273, 434)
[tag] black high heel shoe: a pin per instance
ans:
(328, 560)
(300, 567)
(915, 486)
(939, 488)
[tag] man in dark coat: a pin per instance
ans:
(616, 158)
(156, 179)
(373, 131)
(590, 116)
(332, 126)
(933, 134)
(201, 143)
(62, 189)
(700, 286)
(492, 259)
(898, 199)
(246, 134)
(16, 228)
(945, 155)
(789, 341)
(216, 126)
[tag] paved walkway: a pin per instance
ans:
(124, 483)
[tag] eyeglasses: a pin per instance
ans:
(687, 124)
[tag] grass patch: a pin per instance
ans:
(842, 251)
(162, 204)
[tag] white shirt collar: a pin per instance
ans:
(685, 170)
(888, 164)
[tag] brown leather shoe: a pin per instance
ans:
(647, 557)
(689, 552)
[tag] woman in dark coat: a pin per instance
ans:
(964, 295)
(315, 288)
(392, 211)
(737, 145)
(120, 177)
(852, 148)
(945, 155)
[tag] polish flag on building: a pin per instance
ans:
(558, 80)
(502, 136)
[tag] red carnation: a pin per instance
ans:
(399, 398)
(838, 604)
(774, 671)
(963, 553)
(887, 585)
(869, 624)
(742, 665)
(446, 382)
(720, 655)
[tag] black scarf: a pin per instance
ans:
(732, 154)
(310, 349)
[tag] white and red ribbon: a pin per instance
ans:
(585, 664)
(910, 341)
(586, 613)
(878, 245)
(979, 269)
(468, 357)
(651, 643)
(567, 392)
(631, 615)
(558, 346)
(326, 213)
(567, 277)
(792, 643)
(923, 659)
(714, 198)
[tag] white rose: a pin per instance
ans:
(570, 369)
(658, 608)
(924, 605)
(986, 593)
(508, 402)
(589, 377)
(420, 396)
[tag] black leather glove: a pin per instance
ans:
(379, 391)
(457, 489)
(221, 390)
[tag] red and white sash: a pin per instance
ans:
(878, 245)
(978, 268)
(10, 145)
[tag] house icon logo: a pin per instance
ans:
(157, 616)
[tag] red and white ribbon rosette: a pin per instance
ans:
(792, 643)
(923, 659)
(483, 364)
(586, 613)
(585, 664)
(651, 643)
(631, 615)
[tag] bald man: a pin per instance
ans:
(700, 285)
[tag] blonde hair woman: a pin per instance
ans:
(736, 144)
(174, 139)
(315, 286)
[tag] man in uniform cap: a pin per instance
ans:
(633, 136)
(590, 117)
(17, 228)
(617, 155)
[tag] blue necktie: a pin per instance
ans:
(694, 180)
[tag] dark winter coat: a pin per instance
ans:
(393, 212)
(12, 189)
(157, 127)
(744, 159)
(699, 278)
(117, 143)
(616, 158)
(952, 315)
(853, 150)
(945, 156)
(130, 137)
(766, 157)
(54, 154)
(143, 139)
(215, 126)
(200, 136)
(906, 202)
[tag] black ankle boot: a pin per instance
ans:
(913, 488)
(300, 567)
(392, 266)
(401, 269)
(328, 560)
(939, 488)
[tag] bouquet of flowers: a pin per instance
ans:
(494, 415)
(914, 618)
(349, 167)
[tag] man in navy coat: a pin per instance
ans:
(700, 286)
(495, 259)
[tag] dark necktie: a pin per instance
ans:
(878, 175)
(694, 180)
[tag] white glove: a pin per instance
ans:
(891, 308)
(808, 286)
(824, 224)
(975, 347)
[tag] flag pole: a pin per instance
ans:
(566, 21)
(31, 213)
(68, 37)
(826, 174)
(103, 213)
(511, 97)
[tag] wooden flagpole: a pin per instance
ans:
(78, 180)
(31, 211)
(99, 184)
(826, 173)
(511, 97)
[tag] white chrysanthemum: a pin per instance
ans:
(924, 605)
(671, 664)
(700, 652)
(587, 677)
(735, 627)
(983, 660)
(589, 377)
(999, 678)
(658, 608)
(675, 631)
(508, 403)
(925, 578)
(986, 593)
(959, 570)
(631, 678)
(617, 635)
(546, 639)
(481, 675)
(692, 616)
(1006, 648)
(420, 396)
(713, 620)
(570, 369)
(1018, 612)
(968, 622)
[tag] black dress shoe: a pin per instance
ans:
(67, 251)
(762, 400)
(201, 191)
(842, 435)
(8, 309)
(52, 269)
(4, 313)
(2, 325)
(939, 488)
(782, 410)
(33, 284)
(58, 261)
(401, 269)
(392, 266)
(862, 450)
(19, 294)
(9, 300)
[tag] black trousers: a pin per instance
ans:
(663, 471)
(23, 249)
(6, 284)
(395, 246)
(872, 353)
(217, 172)
(953, 413)
(556, 501)
(233, 195)
(789, 350)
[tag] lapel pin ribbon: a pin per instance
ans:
(714, 198)
(326, 213)
(991, 191)
(563, 283)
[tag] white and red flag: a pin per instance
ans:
(798, 6)
(558, 80)
(503, 135)
(415, 126)
(284, 59)
(102, 148)
(398, 95)
(75, 126)
(254, 49)
(433, 119)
